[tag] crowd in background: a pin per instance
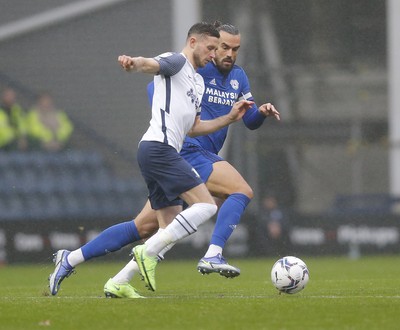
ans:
(42, 127)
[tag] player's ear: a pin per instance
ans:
(192, 42)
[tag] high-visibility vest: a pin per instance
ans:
(16, 116)
(38, 131)
(7, 133)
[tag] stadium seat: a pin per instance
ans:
(40, 185)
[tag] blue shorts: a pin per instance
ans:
(166, 173)
(201, 159)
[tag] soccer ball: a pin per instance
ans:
(289, 274)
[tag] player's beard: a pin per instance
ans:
(225, 65)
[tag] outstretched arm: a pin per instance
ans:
(204, 127)
(141, 64)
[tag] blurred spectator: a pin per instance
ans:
(7, 134)
(12, 122)
(48, 128)
(277, 226)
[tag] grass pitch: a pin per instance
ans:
(341, 294)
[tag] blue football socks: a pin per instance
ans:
(111, 239)
(228, 218)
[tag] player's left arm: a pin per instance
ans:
(255, 117)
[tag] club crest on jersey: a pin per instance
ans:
(193, 97)
(191, 94)
(234, 84)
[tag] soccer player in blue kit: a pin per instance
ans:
(225, 84)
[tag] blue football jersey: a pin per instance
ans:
(221, 92)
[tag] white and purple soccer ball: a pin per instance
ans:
(290, 275)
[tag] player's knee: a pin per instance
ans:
(204, 211)
(209, 209)
(247, 191)
(250, 193)
(241, 187)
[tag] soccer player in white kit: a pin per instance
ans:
(176, 105)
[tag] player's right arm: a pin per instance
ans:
(140, 64)
(204, 127)
(167, 64)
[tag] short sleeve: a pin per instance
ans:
(170, 63)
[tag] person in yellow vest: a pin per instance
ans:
(7, 133)
(12, 122)
(48, 128)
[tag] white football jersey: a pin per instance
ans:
(178, 90)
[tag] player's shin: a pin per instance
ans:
(112, 239)
(228, 218)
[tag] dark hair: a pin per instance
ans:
(203, 28)
(228, 28)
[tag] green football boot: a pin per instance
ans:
(147, 266)
(115, 290)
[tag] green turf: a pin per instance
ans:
(341, 294)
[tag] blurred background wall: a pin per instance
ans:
(322, 63)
